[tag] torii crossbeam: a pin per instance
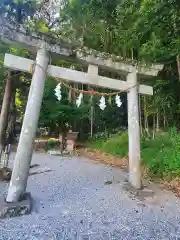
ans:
(69, 75)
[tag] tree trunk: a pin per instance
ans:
(12, 112)
(178, 65)
(107, 40)
(92, 119)
(157, 122)
(144, 107)
(11, 123)
(164, 117)
(132, 54)
(146, 124)
(91, 115)
(140, 116)
(74, 94)
(154, 125)
(5, 110)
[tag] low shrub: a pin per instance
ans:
(50, 145)
(160, 155)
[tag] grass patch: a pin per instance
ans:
(161, 156)
(117, 145)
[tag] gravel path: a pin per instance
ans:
(73, 202)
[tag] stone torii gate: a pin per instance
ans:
(24, 151)
(23, 157)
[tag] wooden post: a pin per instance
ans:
(134, 133)
(23, 157)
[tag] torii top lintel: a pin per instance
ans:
(10, 35)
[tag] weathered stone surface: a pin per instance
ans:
(23, 207)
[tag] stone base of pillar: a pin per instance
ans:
(140, 194)
(15, 209)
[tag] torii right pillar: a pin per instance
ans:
(134, 133)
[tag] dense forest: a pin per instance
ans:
(140, 32)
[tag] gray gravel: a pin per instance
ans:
(73, 202)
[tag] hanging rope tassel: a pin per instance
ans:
(118, 101)
(79, 100)
(102, 103)
(57, 91)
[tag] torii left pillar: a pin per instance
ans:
(23, 156)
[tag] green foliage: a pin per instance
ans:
(100, 136)
(18, 52)
(161, 155)
(140, 31)
(147, 29)
(55, 114)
